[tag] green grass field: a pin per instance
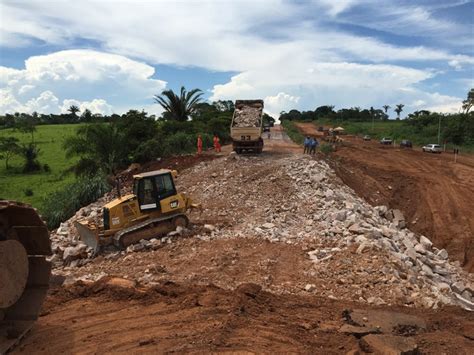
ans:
(50, 139)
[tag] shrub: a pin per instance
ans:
(46, 168)
(326, 148)
(179, 143)
(62, 204)
(30, 154)
(28, 192)
(292, 131)
(148, 150)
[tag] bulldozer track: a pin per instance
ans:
(135, 233)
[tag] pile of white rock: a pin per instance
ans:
(247, 116)
(318, 207)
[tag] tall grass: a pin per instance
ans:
(292, 131)
(62, 204)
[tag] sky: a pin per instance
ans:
(111, 56)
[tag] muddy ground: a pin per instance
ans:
(435, 194)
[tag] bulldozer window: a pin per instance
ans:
(165, 186)
(146, 194)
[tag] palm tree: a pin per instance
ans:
(73, 109)
(399, 110)
(100, 147)
(386, 107)
(469, 102)
(179, 107)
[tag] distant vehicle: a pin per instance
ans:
(247, 126)
(406, 144)
(366, 138)
(386, 141)
(320, 129)
(432, 148)
(266, 128)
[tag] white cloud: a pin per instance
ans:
(275, 104)
(455, 64)
(8, 102)
(25, 88)
(96, 80)
(339, 84)
(418, 103)
(275, 46)
(45, 102)
(95, 106)
(336, 7)
(443, 103)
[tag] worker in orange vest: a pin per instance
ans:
(217, 144)
(199, 144)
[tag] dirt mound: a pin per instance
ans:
(178, 163)
(111, 315)
(435, 194)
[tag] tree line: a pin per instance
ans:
(456, 128)
(345, 114)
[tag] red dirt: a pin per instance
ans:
(207, 300)
(113, 316)
(435, 194)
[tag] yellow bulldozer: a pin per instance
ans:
(155, 208)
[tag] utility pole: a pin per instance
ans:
(439, 128)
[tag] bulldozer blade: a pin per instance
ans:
(89, 236)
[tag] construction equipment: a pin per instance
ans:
(24, 270)
(246, 127)
(154, 208)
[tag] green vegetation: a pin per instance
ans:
(292, 131)
(421, 127)
(180, 107)
(63, 203)
(38, 185)
(326, 148)
(40, 159)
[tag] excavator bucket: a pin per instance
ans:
(89, 234)
(24, 270)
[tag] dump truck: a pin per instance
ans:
(246, 127)
(155, 208)
(24, 270)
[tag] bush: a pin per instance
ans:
(292, 131)
(46, 168)
(326, 148)
(180, 143)
(62, 204)
(148, 150)
(30, 154)
(28, 192)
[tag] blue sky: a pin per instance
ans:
(112, 56)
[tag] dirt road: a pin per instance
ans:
(435, 194)
(237, 283)
(115, 316)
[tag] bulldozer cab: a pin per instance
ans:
(152, 187)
